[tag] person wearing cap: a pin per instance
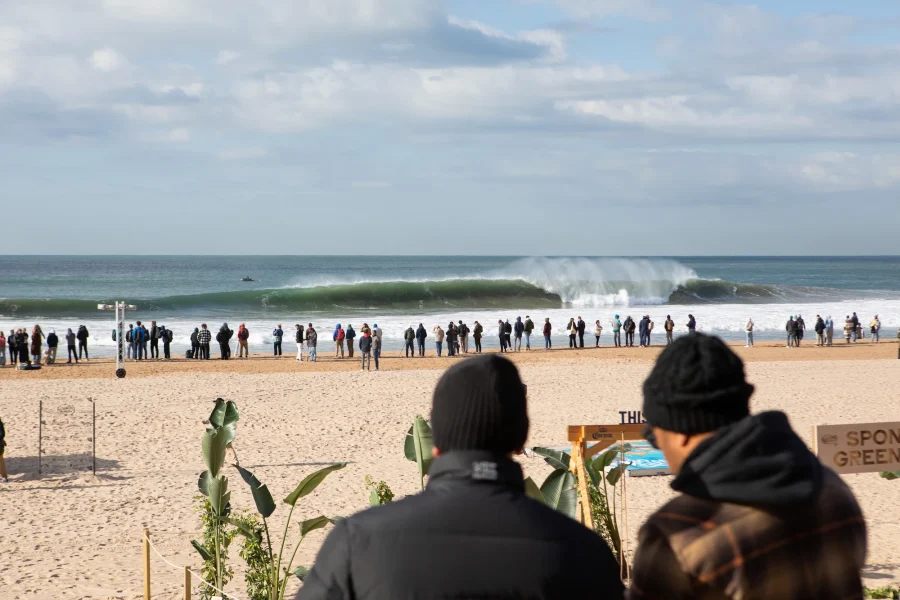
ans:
(377, 336)
(53, 344)
(473, 532)
(757, 515)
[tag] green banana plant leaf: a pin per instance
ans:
(214, 443)
(533, 491)
(313, 524)
(890, 475)
(224, 413)
(555, 458)
(244, 529)
(614, 474)
(559, 492)
(604, 460)
(265, 504)
(203, 483)
(592, 473)
(311, 482)
(219, 496)
(203, 552)
(418, 446)
(374, 500)
(302, 572)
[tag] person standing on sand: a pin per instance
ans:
(338, 338)
(83, 336)
(501, 334)
(548, 332)
(801, 327)
(749, 329)
(829, 330)
(13, 349)
(650, 326)
(4, 476)
(167, 336)
(195, 343)
(629, 331)
(642, 330)
(137, 335)
(463, 337)
(669, 326)
(421, 334)
(849, 328)
(52, 343)
(22, 345)
(131, 351)
(204, 338)
(518, 330)
(598, 330)
(507, 330)
(450, 337)
(790, 329)
(457, 539)
(376, 344)
(298, 339)
(529, 327)
(2, 350)
(439, 339)
(312, 338)
(223, 337)
(349, 335)
(277, 336)
(819, 328)
(365, 350)
(855, 321)
(756, 509)
(243, 335)
(37, 338)
(409, 338)
(572, 328)
(154, 340)
(477, 334)
(875, 327)
(581, 326)
(617, 331)
(692, 324)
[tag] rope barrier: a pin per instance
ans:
(199, 577)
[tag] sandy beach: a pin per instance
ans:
(67, 534)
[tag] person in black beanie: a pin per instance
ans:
(757, 509)
(473, 533)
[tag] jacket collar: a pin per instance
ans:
(475, 466)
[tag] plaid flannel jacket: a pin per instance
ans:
(697, 548)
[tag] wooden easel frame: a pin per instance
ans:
(602, 437)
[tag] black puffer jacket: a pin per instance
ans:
(472, 534)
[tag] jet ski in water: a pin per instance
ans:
(247, 279)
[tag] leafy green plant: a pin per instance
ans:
(560, 491)
(380, 493)
(890, 475)
(418, 447)
(271, 572)
(256, 556)
(213, 535)
(888, 591)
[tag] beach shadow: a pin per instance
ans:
(60, 464)
(882, 571)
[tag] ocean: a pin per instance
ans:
(180, 292)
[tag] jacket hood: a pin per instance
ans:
(758, 461)
(518, 319)
(475, 465)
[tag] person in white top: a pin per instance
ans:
(749, 329)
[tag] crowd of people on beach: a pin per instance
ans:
(143, 343)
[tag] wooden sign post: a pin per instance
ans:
(858, 447)
(601, 437)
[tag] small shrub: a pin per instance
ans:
(888, 591)
(379, 492)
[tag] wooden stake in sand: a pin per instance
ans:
(187, 583)
(146, 538)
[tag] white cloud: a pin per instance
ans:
(227, 57)
(179, 135)
(107, 60)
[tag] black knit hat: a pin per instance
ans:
(696, 386)
(479, 404)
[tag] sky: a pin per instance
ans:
(523, 127)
